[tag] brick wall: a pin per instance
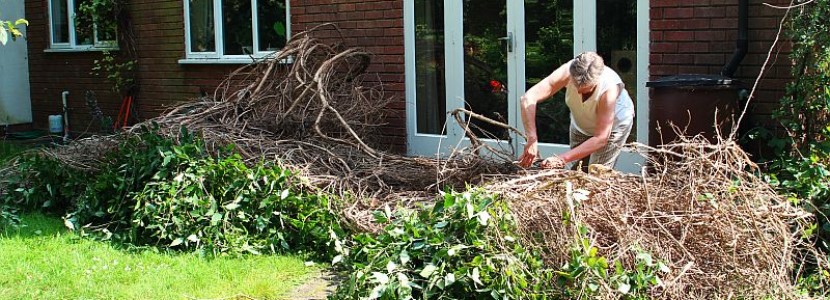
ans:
(158, 25)
(51, 73)
(376, 26)
(698, 37)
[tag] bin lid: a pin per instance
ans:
(685, 80)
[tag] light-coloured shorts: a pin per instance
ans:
(606, 155)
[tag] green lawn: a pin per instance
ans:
(44, 261)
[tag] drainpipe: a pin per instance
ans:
(742, 42)
(64, 95)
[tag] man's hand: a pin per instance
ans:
(553, 162)
(529, 155)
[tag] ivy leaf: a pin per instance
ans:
(427, 271)
(380, 277)
(336, 259)
(232, 206)
(176, 242)
(390, 266)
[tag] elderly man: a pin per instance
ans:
(602, 112)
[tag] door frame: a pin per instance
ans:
(584, 40)
(15, 91)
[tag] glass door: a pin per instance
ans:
(459, 57)
(483, 55)
(554, 31)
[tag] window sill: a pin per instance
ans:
(79, 49)
(226, 61)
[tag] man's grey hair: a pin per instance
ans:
(586, 68)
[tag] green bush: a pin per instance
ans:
(465, 247)
(170, 192)
(221, 205)
(44, 184)
(801, 168)
(174, 194)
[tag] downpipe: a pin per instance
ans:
(64, 96)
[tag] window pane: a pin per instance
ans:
(236, 27)
(201, 26)
(60, 23)
(271, 22)
(617, 43)
(485, 65)
(83, 25)
(430, 92)
(548, 44)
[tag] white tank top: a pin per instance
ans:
(584, 113)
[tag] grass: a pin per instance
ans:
(42, 260)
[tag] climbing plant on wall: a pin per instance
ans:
(802, 168)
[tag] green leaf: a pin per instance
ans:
(624, 288)
(663, 267)
(476, 276)
(427, 271)
(279, 28)
(232, 206)
(449, 200)
(449, 279)
(21, 22)
(403, 279)
(483, 217)
(404, 257)
(4, 36)
(336, 259)
(176, 242)
(215, 218)
(380, 278)
(193, 238)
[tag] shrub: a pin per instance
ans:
(42, 183)
(173, 193)
(465, 247)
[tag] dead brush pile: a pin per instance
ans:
(701, 209)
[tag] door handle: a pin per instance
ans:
(509, 40)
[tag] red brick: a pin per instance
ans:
(682, 36)
(678, 13)
(709, 12)
(677, 59)
(663, 47)
(708, 36)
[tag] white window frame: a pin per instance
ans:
(97, 45)
(218, 56)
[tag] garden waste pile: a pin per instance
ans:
(701, 209)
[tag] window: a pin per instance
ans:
(72, 30)
(235, 29)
